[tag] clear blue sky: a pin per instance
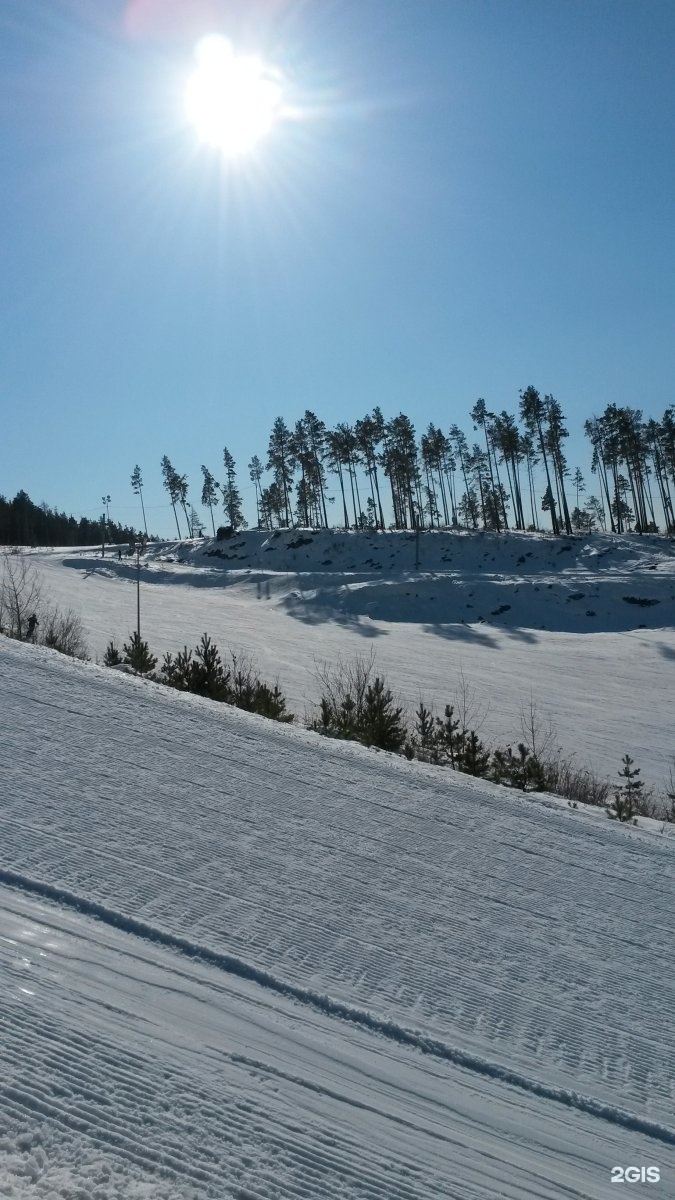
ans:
(479, 196)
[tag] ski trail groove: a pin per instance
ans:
(335, 1008)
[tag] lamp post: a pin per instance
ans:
(105, 500)
(138, 546)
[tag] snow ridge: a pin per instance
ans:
(335, 1008)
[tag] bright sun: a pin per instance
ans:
(231, 100)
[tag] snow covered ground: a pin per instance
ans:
(583, 626)
(240, 961)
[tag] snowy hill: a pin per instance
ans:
(601, 584)
(242, 961)
(583, 627)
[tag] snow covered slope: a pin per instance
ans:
(601, 584)
(586, 627)
(241, 961)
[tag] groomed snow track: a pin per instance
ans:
(483, 977)
(345, 1012)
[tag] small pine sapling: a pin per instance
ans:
(245, 684)
(208, 676)
(522, 766)
(425, 741)
(137, 655)
(627, 799)
(382, 724)
(271, 703)
(475, 756)
(529, 771)
(177, 672)
(447, 736)
(168, 669)
(325, 721)
(536, 774)
(347, 722)
(504, 768)
(112, 656)
(343, 690)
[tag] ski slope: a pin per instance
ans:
(510, 612)
(241, 961)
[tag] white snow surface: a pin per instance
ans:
(240, 961)
(584, 627)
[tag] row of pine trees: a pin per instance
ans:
(23, 523)
(515, 469)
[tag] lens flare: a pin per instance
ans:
(232, 100)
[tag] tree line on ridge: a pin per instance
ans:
(514, 470)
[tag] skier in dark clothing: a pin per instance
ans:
(30, 628)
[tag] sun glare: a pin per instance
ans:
(233, 101)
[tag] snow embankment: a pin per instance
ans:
(602, 583)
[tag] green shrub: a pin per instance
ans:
(204, 674)
(353, 708)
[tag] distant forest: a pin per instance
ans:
(23, 523)
(507, 475)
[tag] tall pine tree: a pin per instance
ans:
(210, 494)
(137, 486)
(231, 494)
(173, 485)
